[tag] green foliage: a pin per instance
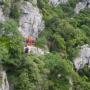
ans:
(64, 33)
(10, 39)
(59, 41)
(85, 72)
(31, 74)
(3, 52)
(46, 72)
(64, 37)
(41, 42)
(15, 12)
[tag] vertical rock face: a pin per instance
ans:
(31, 22)
(57, 2)
(84, 58)
(2, 17)
(4, 85)
(81, 5)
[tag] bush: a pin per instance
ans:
(15, 12)
(11, 39)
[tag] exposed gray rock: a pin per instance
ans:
(57, 2)
(84, 57)
(82, 5)
(4, 85)
(35, 50)
(31, 22)
(2, 18)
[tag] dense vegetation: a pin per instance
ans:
(64, 33)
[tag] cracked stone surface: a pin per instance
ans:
(31, 22)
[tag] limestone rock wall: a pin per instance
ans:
(4, 85)
(57, 2)
(2, 17)
(82, 5)
(31, 22)
(83, 58)
(35, 50)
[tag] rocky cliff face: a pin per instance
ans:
(35, 50)
(4, 85)
(82, 5)
(84, 57)
(57, 2)
(2, 17)
(79, 6)
(31, 22)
